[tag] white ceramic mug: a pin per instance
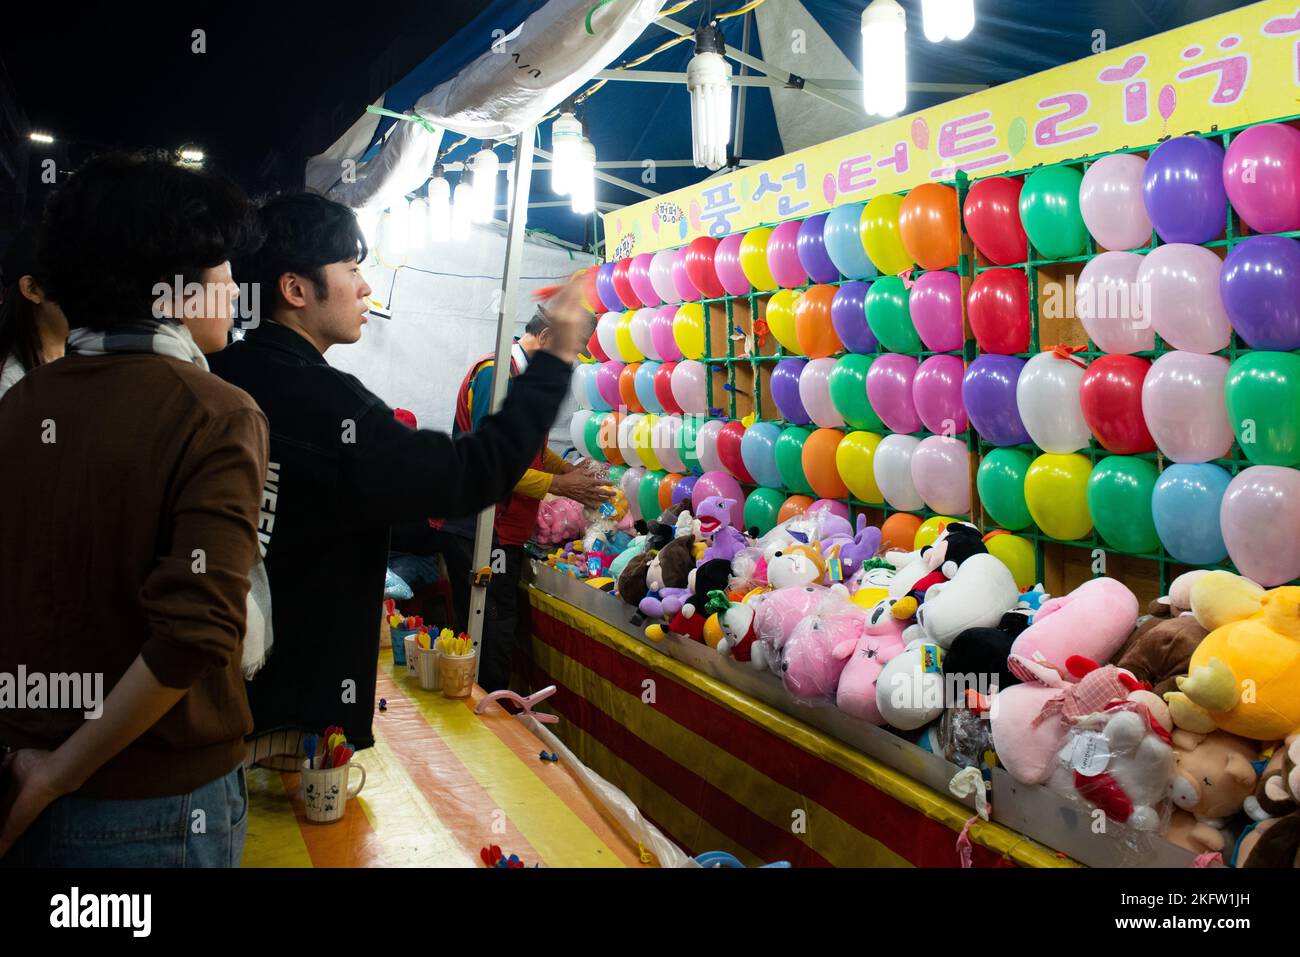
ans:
(325, 791)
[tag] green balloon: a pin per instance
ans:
(762, 508)
(1119, 498)
(789, 459)
(889, 318)
(616, 473)
(1000, 482)
(1049, 211)
(848, 387)
(591, 434)
(686, 442)
(648, 495)
(1263, 397)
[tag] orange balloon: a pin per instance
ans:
(608, 438)
(899, 531)
(794, 505)
(627, 387)
(819, 463)
(666, 486)
(929, 226)
(812, 323)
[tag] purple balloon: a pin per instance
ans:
(849, 317)
(605, 288)
(989, 394)
(785, 390)
(1183, 191)
(812, 250)
(726, 265)
(1260, 288)
(889, 390)
(936, 391)
(682, 490)
(935, 307)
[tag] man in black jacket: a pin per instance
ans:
(342, 469)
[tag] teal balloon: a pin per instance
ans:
(1000, 482)
(686, 444)
(889, 316)
(1263, 397)
(591, 434)
(648, 495)
(1050, 213)
(848, 387)
(762, 508)
(1119, 498)
(789, 459)
(616, 473)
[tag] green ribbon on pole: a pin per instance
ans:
(415, 118)
(592, 12)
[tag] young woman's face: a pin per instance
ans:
(209, 312)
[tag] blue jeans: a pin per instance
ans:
(153, 832)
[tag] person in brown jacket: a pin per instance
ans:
(128, 510)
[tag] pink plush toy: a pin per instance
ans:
(1092, 621)
(810, 668)
(866, 657)
(559, 520)
(775, 618)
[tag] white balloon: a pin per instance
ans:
(665, 443)
(607, 333)
(625, 430)
(630, 485)
(639, 327)
(661, 275)
(892, 467)
(706, 446)
(582, 373)
(1047, 395)
(1110, 201)
(577, 431)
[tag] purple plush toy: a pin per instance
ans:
(714, 517)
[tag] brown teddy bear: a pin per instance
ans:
(1160, 649)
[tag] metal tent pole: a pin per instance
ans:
(522, 179)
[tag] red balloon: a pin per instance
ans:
(992, 216)
(729, 438)
(594, 350)
(699, 267)
(998, 308)
(1111, 396)
(664, 389)
(623, 285)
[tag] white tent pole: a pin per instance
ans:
(738, 137)
(523, 175)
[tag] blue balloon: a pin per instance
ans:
(844, 242)
(644, 384)
(758, 452)
(1185, 506)
(594, 398)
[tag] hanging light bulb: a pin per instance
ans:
(708, 78)
(439, 206)
(582, 181)
(884, 58)
(484, 165)
(947, 19)
(368, 221)
(395, 232)
(417, 224)
(566, 135)
(462, 212)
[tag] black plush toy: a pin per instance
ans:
(984, 651)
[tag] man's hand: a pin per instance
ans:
(570, 321)
(28, 785)
(583, 487)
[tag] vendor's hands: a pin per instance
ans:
(583, 487)
(570, 321)
(28, 785)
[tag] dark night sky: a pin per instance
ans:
(273, 73)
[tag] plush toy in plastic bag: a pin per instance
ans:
(810, 667)
(559, 520)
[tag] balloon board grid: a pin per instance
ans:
(738, 385)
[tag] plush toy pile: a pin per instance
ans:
(1184, 721)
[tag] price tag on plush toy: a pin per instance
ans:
(1090, 753)
(931, 659)
(834, 570)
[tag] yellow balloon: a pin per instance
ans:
(1056, 491)
(854, 459)
(627, 349)
(878, 229)
(688, 330)
(1017, 554)
(930, 529)
(780, 318)
(642, 441)
(753, 259)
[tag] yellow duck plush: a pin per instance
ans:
(1245, 676)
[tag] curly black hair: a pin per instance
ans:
(125, 222)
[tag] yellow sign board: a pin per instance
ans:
(1227, 71)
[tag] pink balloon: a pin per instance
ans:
(686, 290)
(1259, 515)
(941, 474)
(1182, 402)
(1109, 303)
(726, 264)
(607, 382)
(639, 329)
(1181, 283)
(1261, 173)
(718, 482)
(638, 274)
(889, 390)
(706, 446)
(689, 385)
(815, 393)
(936, 393)
(783, 256)
(833, 506)
(630, 484)
(661, 276)
(1110, 199)
(661, 334)
(935, 305)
